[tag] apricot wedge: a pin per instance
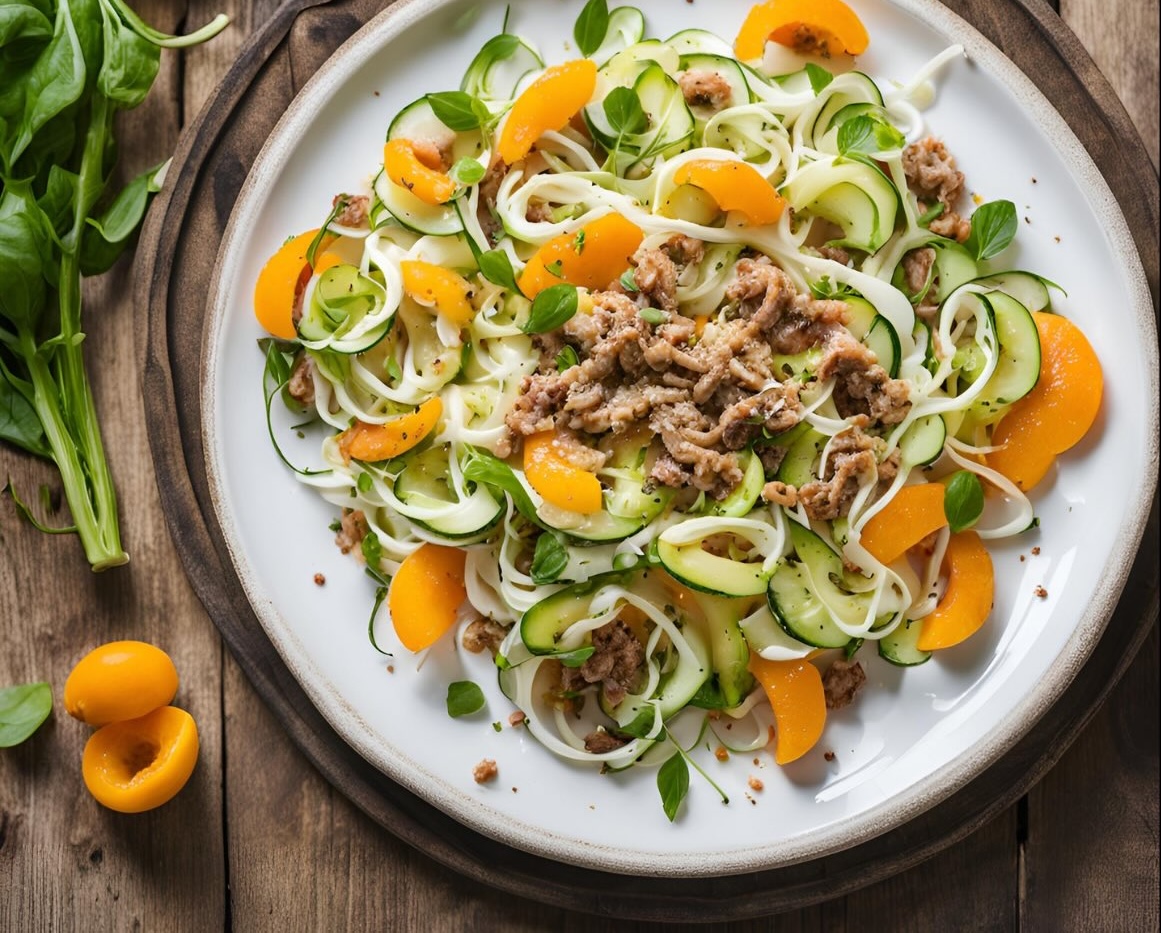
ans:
(426, 594)
(372, 443)
(404, 167)
(592, 257)
(436, 287)
(735, 186)
(280, 281)
(1059, 410)
(548, 103)
(814, 27)
(794, 689)
(967, 601)
(914, 513)
(558, 481)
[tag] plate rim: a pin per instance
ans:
(412, 4)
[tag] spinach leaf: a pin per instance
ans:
(107, 236)
(994, 226)
(551, 308)
(456, 110)
(591, 26)
(130, 63)
(22, 709)
(19, 423)
(963, 502)
(549, 559)
(673, 784)
(464, 698)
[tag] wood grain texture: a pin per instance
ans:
(1079, 853)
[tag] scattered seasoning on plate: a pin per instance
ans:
(1041, 592)
(390, 668)
(1021, 558)
(829, 756)
(721, 754)
(755, 783)
(319, 579)
(1036, 551)
(485, 771)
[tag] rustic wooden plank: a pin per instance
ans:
(65, 862)
(1121, 36)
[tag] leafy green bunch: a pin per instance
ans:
(66, 68)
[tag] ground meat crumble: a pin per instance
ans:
(485, 771)
(841, 682)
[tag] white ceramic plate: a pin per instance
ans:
(913, 736)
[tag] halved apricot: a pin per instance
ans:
(814, 27)
(592, 257)
(373, 443)
(426, 593)
(735, 186)
(119, 680)
(794, 689)
(557, 480)
(139, 764)
(548, 103)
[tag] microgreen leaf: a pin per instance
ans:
(555, 268)
(467, 171)
(576, 657)
(591, 26)
(963, 501)
(551, 308)
(372, 549)
(22, 709)
(549, 559)
(496, 267)
(673, 784)
(565, 359)
(628, 282)
(456, 110)
(994, 225)
(624, 112)
(464, 698)
(819, 77)
(480, 466)
(867, 135)
(653, 316)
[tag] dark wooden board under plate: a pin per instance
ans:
(174, 267)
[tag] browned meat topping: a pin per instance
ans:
(755, 783)
(835, 254)
(703, 87)
(517, 718)
(951, 225)
(933, 177)
(599, 741)
(484, 634)
(614, 664)
(538, 212)
(852, 463)
(486, 206)
(353, 529)
(353, 212)
(841, 682)
(485, 771)
(301, 383)
(917, 268)
(780, 494)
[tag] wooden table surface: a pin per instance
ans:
(259, 841)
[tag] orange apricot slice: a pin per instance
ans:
(405, 168)
(119, 680)
(592, 257)
(814, 27)
(426, 594)
(558, 481)
(279, 283)
(436, 287)
(967, 601)
(1059, 410)
(735, 186)
(794, 689)
(913, 514)
(372, 443)
(138, 764)
(548, 103)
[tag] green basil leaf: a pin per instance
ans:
(496, 267)
(566, 359)
(673, 784)
(994, 226)
(484, 467)
(372, 550)
(624, 112)
(464, 698)
(549, 559)
(455, 110)
(867, 135)
(551, 308)
(467, 171)
(819, 77)
(591, 26)
(576, 657)
(22, 709)
(963, 501)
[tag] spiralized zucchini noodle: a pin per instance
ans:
(701, 387)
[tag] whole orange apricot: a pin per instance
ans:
(139, 764)
(120, 680)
